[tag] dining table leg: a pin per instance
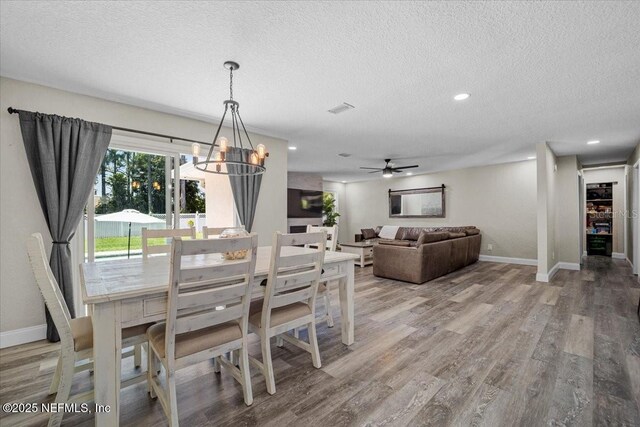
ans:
(107, 355)
(346, 291)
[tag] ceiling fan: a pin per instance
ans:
(388, 170)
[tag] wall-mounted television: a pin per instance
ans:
(304, 203)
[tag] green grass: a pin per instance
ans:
(105, 244)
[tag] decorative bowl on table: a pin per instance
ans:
(231, 233)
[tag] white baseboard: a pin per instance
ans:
(541, 277)
(618, 255)
(546, 277)
(568, 266)
(508, 260)
(23, 336)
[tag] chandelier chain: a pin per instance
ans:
(231, 83)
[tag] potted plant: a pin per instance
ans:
(329, 214)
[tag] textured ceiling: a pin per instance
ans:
(563, 72)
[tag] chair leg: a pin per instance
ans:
(327, 307)
(216, 365)
(245, 374)
(64, 387)
(279, 341)
(268, 365)
(56, 377)
(313, 341)
(152, 370)
(137, 356)
(296, 333)
(173, 399)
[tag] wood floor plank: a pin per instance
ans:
(394, 311)
(468, 318)
(580, 336)
(354, 360)
(517, 293)
(467, 293)
(550, 295)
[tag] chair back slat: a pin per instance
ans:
(280, 300)
(299, 260)
(213, 231)
(225, 294)
(205, 290)
(293, 278)
(213, 272)
(205, 319)
(163, 233)
(49, 288)
(332, 235)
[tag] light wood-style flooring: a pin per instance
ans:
(486, 345)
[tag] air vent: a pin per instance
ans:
(341, 108)
(344, 155)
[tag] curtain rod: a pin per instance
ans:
(12, 110)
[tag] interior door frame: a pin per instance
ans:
(635, 217)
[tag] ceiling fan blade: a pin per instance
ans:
(406, 167)
(378, 169)
(375, 171)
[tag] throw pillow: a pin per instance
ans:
(368, 233)
(472, 231)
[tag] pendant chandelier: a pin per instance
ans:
(239, 159)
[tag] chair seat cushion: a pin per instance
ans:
(195, 341)
(82, 332)
(279, 315)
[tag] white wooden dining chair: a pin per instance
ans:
(208, 232)
(168, 233)
(289, 299)
(207, 314)
(323, 288)
(76, 335)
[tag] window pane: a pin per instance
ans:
(130, 186)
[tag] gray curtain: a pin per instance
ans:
(245, 188)
(64, 156)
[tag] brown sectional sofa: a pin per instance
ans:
(420, 254)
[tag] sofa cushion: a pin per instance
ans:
(410, 233)
(394, 242)
(368, 233)
(457, 235)
(472, 231)
(432, 236)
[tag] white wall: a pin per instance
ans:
(617, 174)
(568, 223)
(633, 195)
(499, 199)
(20, 215)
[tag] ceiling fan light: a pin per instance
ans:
(387, 174)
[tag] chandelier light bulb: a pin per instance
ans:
(261, 151)
(195, 149)
(254, 160)
(223, 143)
(217, 156)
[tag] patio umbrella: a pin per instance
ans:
(130, 216)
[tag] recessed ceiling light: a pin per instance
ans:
(293, 147)
(341, 108)
(461, 96)
(344, 182)
(531, 157)
(595, 141)
(409, 173)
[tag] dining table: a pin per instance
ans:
(128, 292)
